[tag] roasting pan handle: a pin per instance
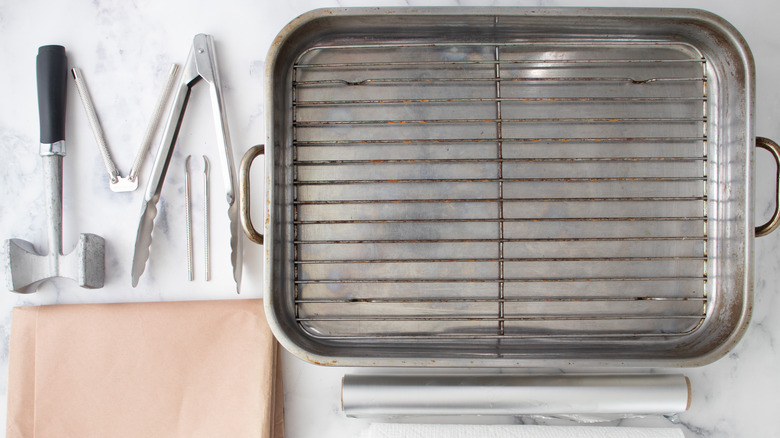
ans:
(774, 149)
(243, 187)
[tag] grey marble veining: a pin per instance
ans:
(125, 49)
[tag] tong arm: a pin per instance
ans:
(171, 133)
(206, 66)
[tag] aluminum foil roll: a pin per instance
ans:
(425, 395)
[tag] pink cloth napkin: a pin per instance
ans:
(170, 369)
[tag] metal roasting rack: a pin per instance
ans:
(496, 193)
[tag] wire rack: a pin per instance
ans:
(469, 191)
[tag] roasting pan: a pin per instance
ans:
(508, 187)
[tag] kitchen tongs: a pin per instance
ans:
(201, 64)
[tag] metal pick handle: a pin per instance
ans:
(188, 217)
(206, 245)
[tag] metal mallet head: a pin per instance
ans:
(26, 269)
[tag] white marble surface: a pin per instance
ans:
(124, 50)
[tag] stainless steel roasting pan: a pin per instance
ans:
(509, 187)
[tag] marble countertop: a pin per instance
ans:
(125, 49)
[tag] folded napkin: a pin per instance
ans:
(398, 430)
(174, 369)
